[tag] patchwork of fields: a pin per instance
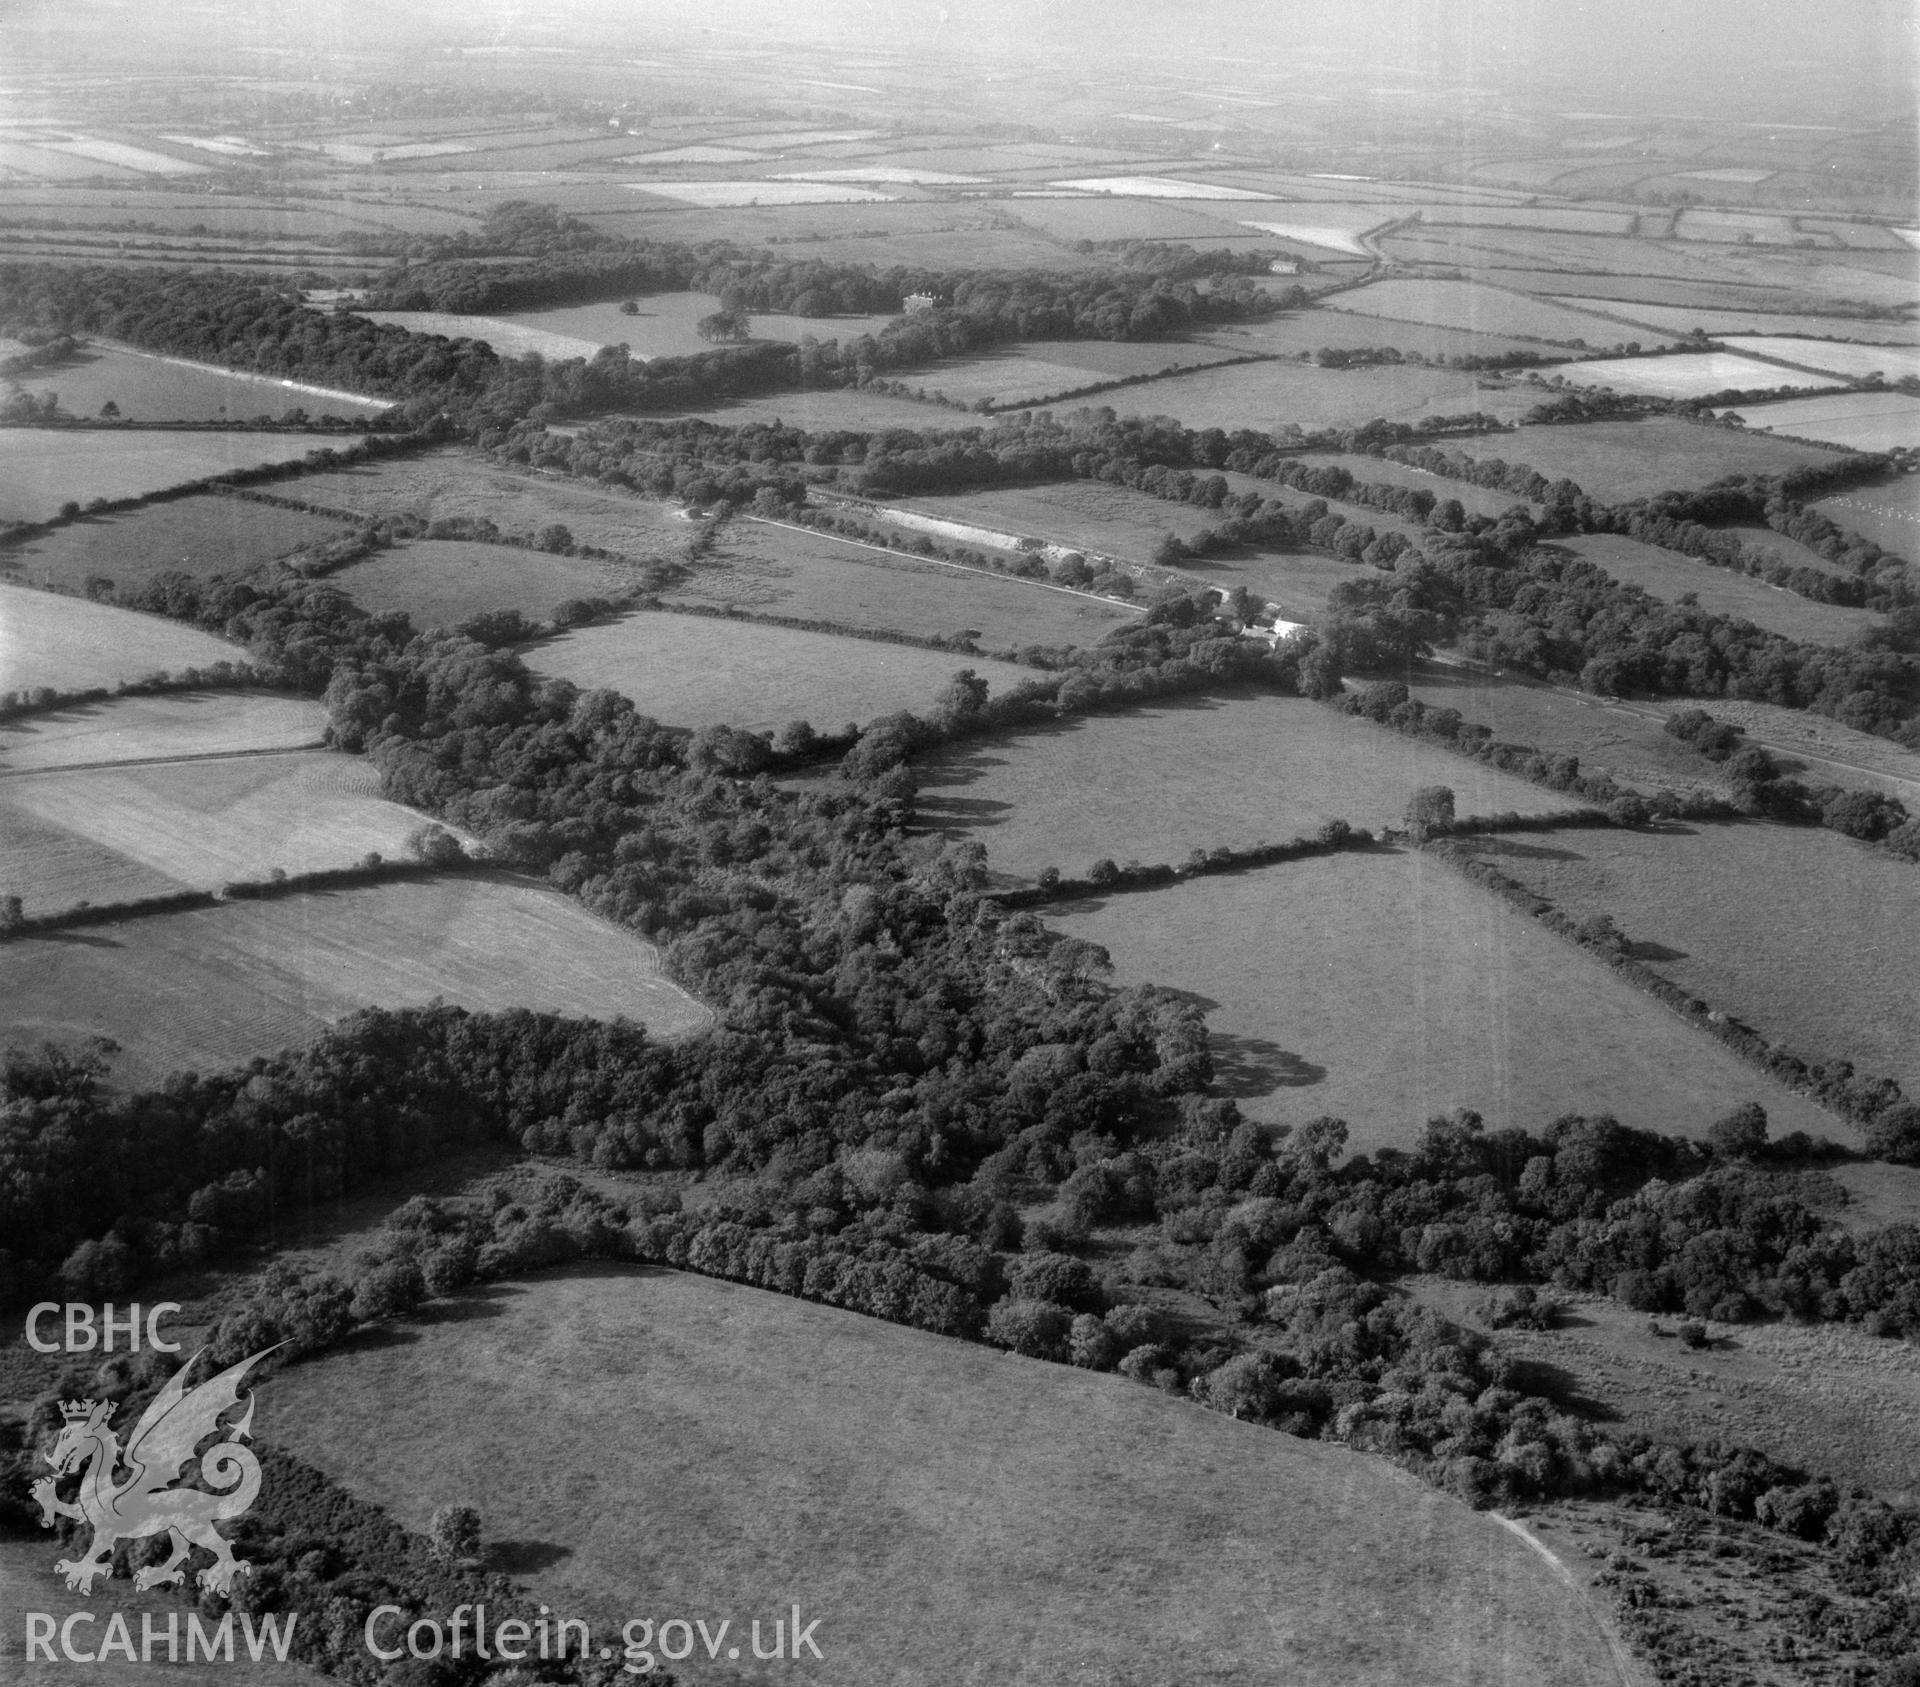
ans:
(1036, 1522)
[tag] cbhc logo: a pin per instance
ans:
(84, 1333)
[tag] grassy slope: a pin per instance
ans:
(41, 469)
(664, 1444)
(204, 535)
(194, 723)
(72, 644)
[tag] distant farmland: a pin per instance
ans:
(207, 989)
(150, 389)
(1090, 515)
(1862, 421)
(72, 644)
(1616, 461)
(1385, 990)
(1688, 374)
(929, 1499)
(1159, 782)
(1486, 310)
(698, 671)
(43, 468)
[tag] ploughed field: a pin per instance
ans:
(688, 670)
(73, 644)
(1156, 783)
(1037, 1524)
(211, 987)
(1387, 988)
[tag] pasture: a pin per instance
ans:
(1154, 784)
(1039, 1524)
(442, 582)
(1387, 989)
(731, 195)
(697, 671)
(1888, 514)
(1852, 362)
(1676, 319)
(174, 725)
(779, 570)
(837, 409)
(1668, 575)
(449, 485)
(508, 339)
(1620, 460)
(73, 644)
(43, 468)
(206, 534)
(1809, 937)
(205, 989)
(664, 325)
(146, 389)
(1481, 309)
(1087, 515)
(1300, 333)
(1687, 374)
(1862, 421)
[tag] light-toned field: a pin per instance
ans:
(695, 671)
(1272, 396)
(1481, 309)
(1155, 187)
(1812, 939)
(442, 582)
(1621, 460)
(203, 535)
(72, 644)
(1865, 421)
(508, 339)
(665, 325)
(1668, 575)
(1314, 330)
(1090, 515)
(1040, 1525)
(1687, 374)
(730, 194)
(1888, 514)
(1335, 237)
(1110, 217)
(177, 724)
(1677, 319)
(779, 570)
(201, 823)
(43, 468)
(450, 484)
(1854, 362)
(1385, 990)
(155, 389)
(204, 989)
(1156, 783)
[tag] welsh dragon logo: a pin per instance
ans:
(145, 1501)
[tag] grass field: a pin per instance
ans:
(1669, 575)
(1314, 330)
(201, 823)
(442, 582)
(1298, 581)
(1680, 320)
(203, 535)
(1089, 515)
(176, 724)
(1384, 990)
(835, 410)
(1888, 514)
(1812, 939)
(154, 389)
(1864, 421)
(664, 326)
(73, 644)
(1157, 783)
(1852, 362)
(204, 989)
(1617, 461)
(770, 570)
(448, 484)
(975, 1518)
(1687, 374)
(1832, 753)
(697, 671)
(1482, 310)
(508, 339)
(42, 468)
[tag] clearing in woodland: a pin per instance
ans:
(1619, 460)
(1035, 1522)
(1386, 989)
(443, 582)
(689, 670)
(74, 644)
(1155, 784)
(206, 989)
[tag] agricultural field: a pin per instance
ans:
(1386, 989)
(508, 339)
(1109, 217)
(204, 535)
(843, 409)
(1668, 575)
(448, 485)
(1861, 421)
(767, 569)
(1475, 500)
(689, 670)
(211, 987)
(1621, 460)
(664, 326)
(43, 468)
(73, 644)
(200, 823)
(1087, 515)
(1888, 514)
(1299, 582)
(1481, 309)
(442, 582)
(1687, 374)
(1305, 332)
(1829, 968)
(1271, 396)
(173, 725)
(1680, 321)
(1065, 1547)
(1156, 783)
(1854, 363)
(145, 389)
(1830, 751)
